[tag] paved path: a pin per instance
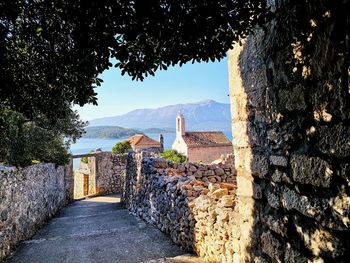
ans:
(98, 230)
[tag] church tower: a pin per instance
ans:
(180, 125)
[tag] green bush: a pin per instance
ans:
(174, 156)
(85, 159)
(121, 147)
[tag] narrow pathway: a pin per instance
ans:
(98, 230)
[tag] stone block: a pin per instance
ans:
(239, 107)
(261, 117)
(272, 246)
(226, 201)
(240, 134)
(257, 98)
(278, 160)
(260, 166)
(198, 174)
(275, 221)
(243, 158)
(320, 242)
(292, 99)
(213, 187)
(273, 197)
(219, 171)
(219, 193)
(181, 168)
(333, 140)
(311, 170)
(228, 186)
(310, 207)
(292, 255)
(209, 173)
(279, 177)
(192, 168)
(257, 191)
(244, 186)
(340, 206)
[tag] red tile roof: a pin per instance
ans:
(143, 140)
(212, 138)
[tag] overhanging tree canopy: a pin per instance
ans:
(51, 52)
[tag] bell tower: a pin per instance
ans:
(180, 125)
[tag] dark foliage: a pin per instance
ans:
(51, 52)
(23, 142)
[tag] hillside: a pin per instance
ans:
(204, 115)
(109, 132)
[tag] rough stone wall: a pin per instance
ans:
(110, 173)
(79, 183)
(68, 182)
(28, 197)
(216, 223)
(289, 89)
(165, 194)
(207, 154)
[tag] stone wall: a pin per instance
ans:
(165, 194)
(68, 182)
(28, 198)
(110, 173)
(79, 183)
(290, 103)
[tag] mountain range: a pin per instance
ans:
(204, 115)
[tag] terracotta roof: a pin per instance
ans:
(143, 140)
(212, 138)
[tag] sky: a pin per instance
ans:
(187, 84)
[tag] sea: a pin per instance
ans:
(85, 145)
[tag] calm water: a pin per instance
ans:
(85, 145)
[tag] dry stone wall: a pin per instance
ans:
(110, 173)
(170, 196)
(105, 171)
(68, 182)
(79, 183)
(29, 197)
(290, 104)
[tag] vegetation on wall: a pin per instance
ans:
(174, 156)
(121, 147)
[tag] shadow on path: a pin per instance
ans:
(98, 229)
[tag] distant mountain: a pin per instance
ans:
(159, 130)
(109, 132)
(204, 115)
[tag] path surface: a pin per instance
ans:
(98, 230)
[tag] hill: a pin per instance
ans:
(204, 115)
(109, 132)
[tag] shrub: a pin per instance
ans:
(121, 147)
(85, 159)
(174, 156)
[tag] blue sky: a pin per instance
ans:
(190, 83)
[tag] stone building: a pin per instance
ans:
(141, 142)
(202, 146)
